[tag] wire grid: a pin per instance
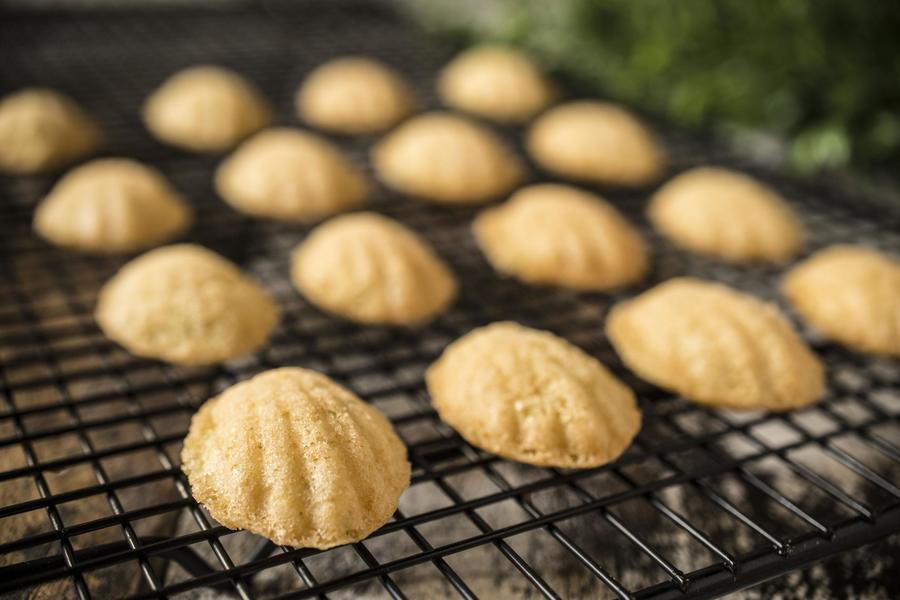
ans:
(93, 500)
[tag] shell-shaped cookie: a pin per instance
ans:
(726, 214)
(354, 95)
(290, 175)
(41, 130)
(852, 295)
(446, 158)
(371, 269)
(716, 346)
(533, 397)
(596, 142)
(495, 82)
(559, 235)
(186, 305)
(294, 457)
(206, 109)
(111, 205)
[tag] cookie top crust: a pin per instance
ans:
(717, 346)
(533, 397)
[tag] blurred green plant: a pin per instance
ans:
(823, 75)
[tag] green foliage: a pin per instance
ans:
(822, 74)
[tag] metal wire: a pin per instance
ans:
(705, 502)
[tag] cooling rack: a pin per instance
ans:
(92, 500)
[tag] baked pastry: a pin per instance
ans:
(354, 95)
(294, 457)
(111, 205)
(596, 142)
(533, 397)
(290, 175)
(371, 269)
(726, 214)
(42, 130)
(495, 82)
(716, 346)
(448, 159)
(852, 295)
(206, 109)
(559, 235)
(186, 305)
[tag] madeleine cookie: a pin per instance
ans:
(42, 130)
(448, 159)
(596, 142)
(716, 346)
(205, 109)
(111, 205)
(533, 397)
(294, 457)
(558, 235)
(354, 95)
(290, 175)
(726, 214)
(852, 295)
(186, 305)
(371, 269)
(496, 83)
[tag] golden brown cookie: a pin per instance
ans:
(533, 397)
(206, 109)
(111, 205)
(448, 159)
(558, 235)
(371, 269)
(495, 82)
(596, 142)
(185, 305)
(354, 95)
(290, 175)
(716, 346)
(294, 457)
(852, 295)
(42, 130)
(726, 214)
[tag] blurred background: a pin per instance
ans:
(814, 84)
(817, 81)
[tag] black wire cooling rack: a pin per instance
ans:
(94, 503)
